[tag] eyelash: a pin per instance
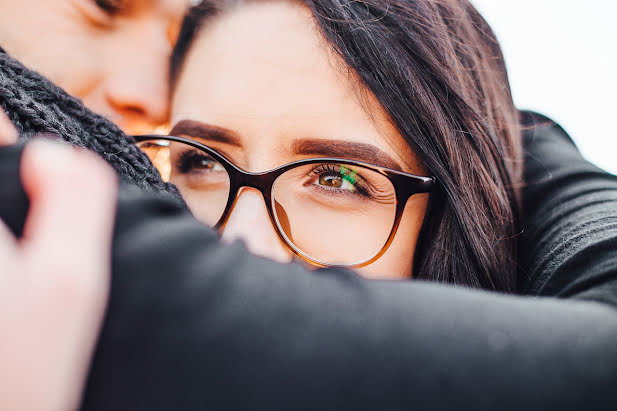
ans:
(184, 161)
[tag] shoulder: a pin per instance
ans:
(569, 243)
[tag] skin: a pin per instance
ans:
(273, 83)
(116, 62)
(53, 293)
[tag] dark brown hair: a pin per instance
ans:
(437, 69)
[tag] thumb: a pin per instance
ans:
(67, 251)
(72, 195)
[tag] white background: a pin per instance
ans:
(562, 62)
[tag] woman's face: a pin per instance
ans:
(113, 54)
(262, 74)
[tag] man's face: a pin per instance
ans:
(113, 54)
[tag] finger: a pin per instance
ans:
(72, 197)
(8, 133)
(8, 249)
(68, 239)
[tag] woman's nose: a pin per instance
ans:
(250, 222)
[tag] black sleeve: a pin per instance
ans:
(569, 245)
(194, 324)
(14, 204)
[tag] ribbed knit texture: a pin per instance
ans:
(35, 105)
(569, 244)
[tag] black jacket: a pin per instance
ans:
(195, 324)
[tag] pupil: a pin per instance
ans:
(201, 162)
(330, 180)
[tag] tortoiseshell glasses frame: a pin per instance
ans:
(405, 185)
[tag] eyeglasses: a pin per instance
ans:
(328, 211)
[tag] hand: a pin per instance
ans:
(54, 281)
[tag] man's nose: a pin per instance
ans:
(250, 222)
(137, 90)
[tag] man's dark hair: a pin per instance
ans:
(437, 70)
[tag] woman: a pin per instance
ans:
(195, 324)
(419, 88)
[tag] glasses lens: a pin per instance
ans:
(202, 181)
(335, 213)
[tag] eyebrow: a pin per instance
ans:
(192, 128)
(350, 150)
(367, 153)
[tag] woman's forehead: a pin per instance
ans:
(264, 70)
(265, 59)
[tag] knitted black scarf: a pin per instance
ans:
(35, 105)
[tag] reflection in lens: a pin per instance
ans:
(335, 213)
(202, 181)
(158, 151)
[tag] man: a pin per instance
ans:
(113, 54)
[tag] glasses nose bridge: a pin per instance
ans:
(240, 180)
(261, 182)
